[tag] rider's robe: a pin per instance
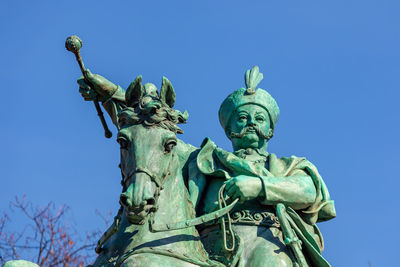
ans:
(216, 163)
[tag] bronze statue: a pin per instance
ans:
(280, 199)
(188, 206)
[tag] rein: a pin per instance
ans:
(224, 209)
(154, 227)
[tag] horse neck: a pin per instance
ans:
(174, 205)
(184, 152)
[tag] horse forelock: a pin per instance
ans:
(163, 116)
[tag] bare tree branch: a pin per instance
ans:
(49, 239)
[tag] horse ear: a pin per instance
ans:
(134, 92)
(167, 93)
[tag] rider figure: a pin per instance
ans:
(261, 181)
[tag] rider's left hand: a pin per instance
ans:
(243, 187)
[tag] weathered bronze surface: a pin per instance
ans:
(252, 208)
(188, 206)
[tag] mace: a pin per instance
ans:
(74, 44)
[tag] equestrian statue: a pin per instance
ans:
(187, 206)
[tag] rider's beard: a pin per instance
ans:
(244, 131)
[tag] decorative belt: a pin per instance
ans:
(248, 217)
(259, 218)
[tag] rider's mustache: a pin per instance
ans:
(243, 132)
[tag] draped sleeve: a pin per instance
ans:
(322, 209)
(215, 162)
(115, 104)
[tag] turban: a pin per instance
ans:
(247, 96)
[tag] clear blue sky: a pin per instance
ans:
(332, 66)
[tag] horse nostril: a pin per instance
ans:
(148, 202)
(124, 200)
(151, 201)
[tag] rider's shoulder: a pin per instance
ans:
(289, 161)
(284, 158)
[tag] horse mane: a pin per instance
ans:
(154, 113)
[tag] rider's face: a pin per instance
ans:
(247, 118)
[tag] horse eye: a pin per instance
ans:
(123, 142)
(170, 145)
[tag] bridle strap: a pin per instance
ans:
(153, 177)
(159, 183)
(157, 180)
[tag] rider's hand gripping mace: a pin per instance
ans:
(74, 44)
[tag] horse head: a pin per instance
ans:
(147, 138)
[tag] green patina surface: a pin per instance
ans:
(254, 208)
(280, 199)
